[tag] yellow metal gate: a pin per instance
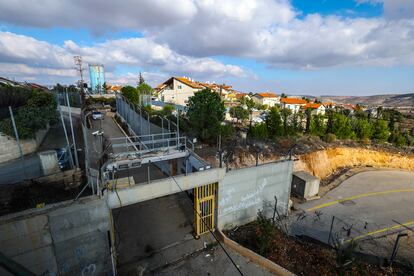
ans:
(204, 202)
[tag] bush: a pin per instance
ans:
(227, 131)
(265, 234)
(330, 137)
(39, 110)
(259, 131)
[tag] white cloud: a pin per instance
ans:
(182, 38)
(28, 56)
(99, 16)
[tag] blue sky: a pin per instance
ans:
(319, 47)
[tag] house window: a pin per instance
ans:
(179, 87)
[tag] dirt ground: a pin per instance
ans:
(304, 257)
(239, 153)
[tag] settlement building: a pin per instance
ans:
(267, 98)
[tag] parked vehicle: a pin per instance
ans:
(97, 115)
(63, 158)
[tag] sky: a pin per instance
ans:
(303, 47)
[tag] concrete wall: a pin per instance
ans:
(65, 239)
(245, 191)
(9, 150)
(163, 187)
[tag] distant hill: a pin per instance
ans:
(388, 100)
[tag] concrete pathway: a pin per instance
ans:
(213, 262)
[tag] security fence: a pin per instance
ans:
(391, 240)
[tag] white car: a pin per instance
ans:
(96, 115)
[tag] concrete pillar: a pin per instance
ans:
(49, 162)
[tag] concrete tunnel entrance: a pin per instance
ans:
(156, 232)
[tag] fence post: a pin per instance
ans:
(395, 248)
(148, 172)
(330, 231)
(18, 141)
(66, 136)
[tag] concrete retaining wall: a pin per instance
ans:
(65, 239)
(245, 191)
(9, 150)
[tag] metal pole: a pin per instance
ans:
(178, 126)
(71, 129)
(148, 172)
(330, 231)
(396, 245)
(16, 134)
(66, 136)
(140, 121)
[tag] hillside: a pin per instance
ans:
(388, 100)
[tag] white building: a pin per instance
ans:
(293, 104)
(269, 99)
(177, 90)
(317, 108)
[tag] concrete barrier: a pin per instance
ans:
(68, 238)
(49, 162)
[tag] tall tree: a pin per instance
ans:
(131, 94)
(274, 122)
(286, 112)
(308, 113)
(249, 104)
(140, 79)
(206, 113)
(239, 113)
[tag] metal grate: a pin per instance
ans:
(205, 202)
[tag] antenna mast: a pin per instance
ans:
(79, 68)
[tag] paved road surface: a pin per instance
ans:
(369, 205)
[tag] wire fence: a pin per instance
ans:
(377, 239)
(141, 122)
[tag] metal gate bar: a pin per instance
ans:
(204, 201)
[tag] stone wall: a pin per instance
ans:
(68, 238)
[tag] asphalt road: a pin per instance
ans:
(374, 205)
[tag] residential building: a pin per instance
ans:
(235, 96)
(317, 108)
(177, 90)
(293, 104)
(266, 98)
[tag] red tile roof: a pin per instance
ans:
(312, 105)
(267, 95)
(293, 101)
(188, 82)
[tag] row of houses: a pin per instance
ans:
(178, 90)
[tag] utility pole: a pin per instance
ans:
(71, 129)
(17, 140)
(79, 68)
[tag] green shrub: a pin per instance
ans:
(330, 137)
(259, 131)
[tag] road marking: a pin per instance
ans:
(406, 224)
(358, 196)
